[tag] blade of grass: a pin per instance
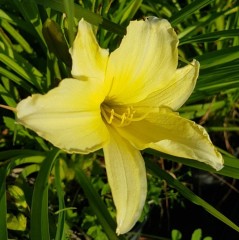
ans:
(16, 35)
(39, 208)
(7, 97)
(29, 11)
(11, 76)
(198, 110)
(202, 23)
(189, 194)
(188, 10)
(16, 21)
(129, 11)
(222, 129)
(21, 66)
(215, 58)
(13, 159)
(69, 9)
(97, 205)
(60, 232)
(22, 154)
(230, 169)
(3, 204)
(13, 153)
(210, 37)
(29, 170)
(215, 80)
(80, 12)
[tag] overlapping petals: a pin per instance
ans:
(145, 61)
(123, 103)
(167, 132)
(68, 116)
(178, 90)
(88, 58)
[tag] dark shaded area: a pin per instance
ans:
(191, 217)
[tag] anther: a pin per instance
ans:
(112, 113)
(123, 117)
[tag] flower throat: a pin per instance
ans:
(119, 116)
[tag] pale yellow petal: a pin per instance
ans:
(167, 132)
(176, 93)
(88, 58)
(127, 178)
(145, 61)
(68, 116)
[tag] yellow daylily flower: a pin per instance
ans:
(123, 102)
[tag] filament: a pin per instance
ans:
(125, 118)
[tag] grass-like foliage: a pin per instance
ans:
(48, 194)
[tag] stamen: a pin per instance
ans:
(112, 112)
(125, 118)
(129, 110)
(134, 119)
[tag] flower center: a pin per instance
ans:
(119, 116)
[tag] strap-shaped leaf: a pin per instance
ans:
(60, 232)
(39, 207)
(81, 12)
(189, 194)
(3, 204)
(188, 10)
(97, 205)
(230, 169)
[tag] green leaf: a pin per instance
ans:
(212, 80)
(176, 234)
(96, 233)
(97, 205)
(18, 195)
(23, 153)
(69, 9)
(188, 10)
(188, 194)
(7, 97)
(17, 22)
(199, 110)
(208, 238)
(197, 234)
(20, 66)
(80, 12)
(17, 223)
(216, 58)
(39, 208)
(130, 10)
(60, 232)
(13, 158)
(230, 169)
(13, 77)
(210, 37)
(29, 170)
(30, 12)
(3, 204)
(16, 35)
